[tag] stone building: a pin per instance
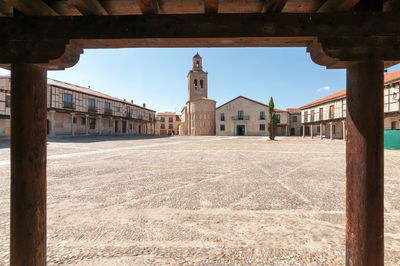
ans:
(294, 121)
(198, 115)
(325, 117)
(167, 124)
(75, 110)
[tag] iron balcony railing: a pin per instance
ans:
(69, 105)
(243, 117)
(107, 111)
(92, 109)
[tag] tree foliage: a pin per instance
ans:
(273, 123)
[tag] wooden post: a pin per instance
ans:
(364, 170)
(28, 165)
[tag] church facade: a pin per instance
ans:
(198, 115)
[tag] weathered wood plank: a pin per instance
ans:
(337, 5)
(33, 7)
(148, 6)
(274, 6)
(211, 6)
(5, 8)
(89, 7)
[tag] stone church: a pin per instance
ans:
(198, 115)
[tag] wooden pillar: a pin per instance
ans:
(311, 131)
(28, 164)
(304, 131)
(72, 124)
(331, 130)
(344, 129)
(320, 130)
(51, 129)
(87, 124)
(364, 170)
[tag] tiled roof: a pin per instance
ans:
(392, 76)
(293, 110)
(166, 114)
(335, 96)
(275, 109)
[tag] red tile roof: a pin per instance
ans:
(392, 76)
(166, 114)
(293, 110)
(335, 96)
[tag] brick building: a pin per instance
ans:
(75, 110)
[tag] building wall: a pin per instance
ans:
(5, 127)
(295, 124)
(252, 124)
(339, 107)
(202, 117)
(170, 128)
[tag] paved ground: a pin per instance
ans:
(199, 200)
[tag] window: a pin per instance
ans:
(91, 103)
(222, 117)
(162, 119)
(107, 105)
(312, 115)
(83, 120)
(318, 129)
(305, 116)
(197, 63)
(92, 123)
(222, 127)
(262, 115)
(278, 118)
(195, 82)
(294, 118)
(170, 120)
(74, 120)
(118, 109)
(240, 115)
(331, 112)
(67, 100)
(321, 113)
(394, 125)
(170, 126)
(201, 83)
(162, 125)
(8, 101)
(262, 127)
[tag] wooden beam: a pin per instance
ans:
(28, 165)
(5, 8)
(337, 5)
(33, 7)
(89, 7)
(211, 6)
(364, 164)
(273, 6)
(148, 6)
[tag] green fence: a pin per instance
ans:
(392, 139)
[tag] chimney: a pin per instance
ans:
(144, 105)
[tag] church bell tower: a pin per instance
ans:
(197, 80)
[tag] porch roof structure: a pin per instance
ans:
(360, 35)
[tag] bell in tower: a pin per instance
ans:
(197, 64)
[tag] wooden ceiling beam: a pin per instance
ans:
(337, 5)
(5, 8)
(148, 6)
(33, 7)
(89, 7)
(273, 6)
(211, 6)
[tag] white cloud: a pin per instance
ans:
(326, 88)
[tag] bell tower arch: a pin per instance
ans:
(197, 80)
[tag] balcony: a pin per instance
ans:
(243, 117)
(92, 109)
(69, 105)
(128, 115)
(108, 111)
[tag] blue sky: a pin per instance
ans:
(157, 76)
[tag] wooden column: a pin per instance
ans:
(331, 130)
(364, 170)
(320, 130)
(28, 165)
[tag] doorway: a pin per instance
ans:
(240, 130)
(292, 131)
